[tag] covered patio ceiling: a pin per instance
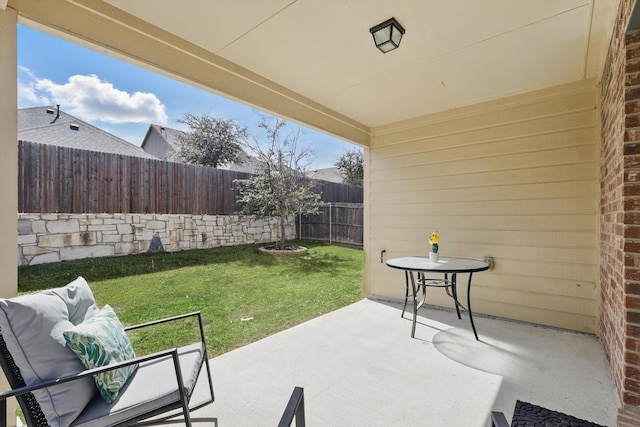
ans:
(315, 62)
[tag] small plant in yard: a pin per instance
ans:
(279, 187)
(226, 284)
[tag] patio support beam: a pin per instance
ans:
(107, 29)
(8, 153)
(9, 171)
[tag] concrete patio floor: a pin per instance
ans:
(360, 367)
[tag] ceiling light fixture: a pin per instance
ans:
(387, 35)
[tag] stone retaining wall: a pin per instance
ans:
(45, 238)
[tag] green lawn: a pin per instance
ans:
(243, 296)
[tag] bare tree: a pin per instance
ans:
(211, 141)
(280, 186)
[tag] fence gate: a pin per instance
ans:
(336, 223)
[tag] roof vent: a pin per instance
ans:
(74, 126)
(50, 111)
(57, 113)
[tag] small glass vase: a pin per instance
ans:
(433, 256)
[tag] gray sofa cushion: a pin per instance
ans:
(151, 387)
(32, 327)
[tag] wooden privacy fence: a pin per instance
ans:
(340, 193)
(60, 179)
(336, 223)
(56, 179)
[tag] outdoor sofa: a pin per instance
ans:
(43, 338)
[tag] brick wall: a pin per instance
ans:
(620, 215)
(611, 210)
(44, 238)
(631, 179)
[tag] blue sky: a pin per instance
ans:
(124, 99)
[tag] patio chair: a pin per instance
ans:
(528, 414)
(52, 384)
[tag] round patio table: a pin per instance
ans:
(450, 267)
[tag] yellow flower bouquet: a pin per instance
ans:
(434, 239)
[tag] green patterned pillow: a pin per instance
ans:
(100, 341)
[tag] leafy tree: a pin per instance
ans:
(279, 187)
(211, 141)
(350, 165)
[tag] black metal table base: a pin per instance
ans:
(450, 286)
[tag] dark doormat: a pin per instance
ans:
(529, 415)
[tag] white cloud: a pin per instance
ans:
(28, 95)
(90, 99)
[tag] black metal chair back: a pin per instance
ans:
(31, 410)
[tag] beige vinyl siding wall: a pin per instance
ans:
(515, 179)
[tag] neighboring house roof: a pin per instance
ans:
(248, 164)
(43, 125)
(161, 142)
(327, 174)
(170, 134)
